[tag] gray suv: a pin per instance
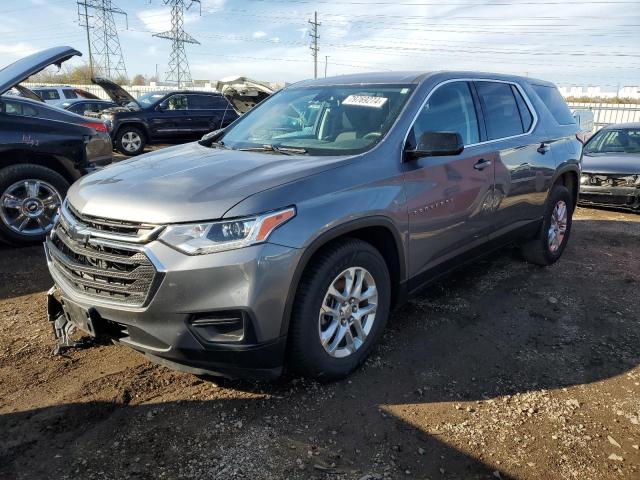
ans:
(286, 238)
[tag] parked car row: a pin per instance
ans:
(283, 238)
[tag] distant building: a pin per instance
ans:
(596, 91)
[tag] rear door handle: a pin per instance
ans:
(482, 164)
(543, 148)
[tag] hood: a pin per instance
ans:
(243, 93)
(615, 163)
(116, 93)
(20, 70)
(187, 183)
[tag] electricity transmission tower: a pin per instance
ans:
(105, 54)
(178, 69)
(314, 42)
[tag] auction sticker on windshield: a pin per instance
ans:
(365, 101)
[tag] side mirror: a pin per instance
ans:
(161, 107)
(210, 138)
(435, 144)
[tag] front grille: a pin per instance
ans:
(118, 227)
(103, 269)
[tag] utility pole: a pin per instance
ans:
(326, 61)
(105, 53)
(313, 34)
(86, 24)
(178, 70)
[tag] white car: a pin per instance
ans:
(59, 94)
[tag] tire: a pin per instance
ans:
(541, 250)
(130, 141)
(30, 193)
(306, 354)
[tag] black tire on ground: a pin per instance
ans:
(306, 355)
(538, 250)
(16, 173)
(125, 130)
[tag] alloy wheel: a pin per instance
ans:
(558, 226)
(27, 207)
(131, 141)
(348, 312)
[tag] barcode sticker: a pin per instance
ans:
(365, 101)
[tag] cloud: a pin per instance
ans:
(17, 49)
(259, 34)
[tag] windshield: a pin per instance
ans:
(623, 140)
(147, 99)
(324, 120)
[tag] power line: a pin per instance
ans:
(105, 53)
(178, 69)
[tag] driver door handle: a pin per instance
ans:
(482, 164)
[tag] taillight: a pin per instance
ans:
(97, 126)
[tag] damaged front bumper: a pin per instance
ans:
(618, 197)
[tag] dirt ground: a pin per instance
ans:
(504, 370)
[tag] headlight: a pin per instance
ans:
(202, 238)
(584, 179)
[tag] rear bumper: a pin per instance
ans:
(619, 197)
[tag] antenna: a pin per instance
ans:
(105, 53)
(178, 69)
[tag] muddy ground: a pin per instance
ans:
(505, 370)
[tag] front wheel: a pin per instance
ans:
(549, 243)
(29, 198)
(130, 141)
(340, 310)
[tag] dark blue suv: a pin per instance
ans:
(162, 116)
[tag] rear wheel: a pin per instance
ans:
(549, 243)
(340, 310)
(29, 198)
(130, 141)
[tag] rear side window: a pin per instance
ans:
(69, 93)
(449, 109)
(525, 114)
(207, 102)
(500, 109)
(48, 94)
(19, 109)
(551, 97)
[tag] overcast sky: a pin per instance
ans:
(571, 42)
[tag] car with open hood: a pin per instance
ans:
(284, 239)
(244, 93)
(611, 167)
(43, 150)
(162, 116)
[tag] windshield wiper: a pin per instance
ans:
(282, 149)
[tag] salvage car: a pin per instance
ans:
(43, 150)
(163, 116)
(611, 167)
(284, 240)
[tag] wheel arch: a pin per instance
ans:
(380, 232)
(58, 164)
(569, 177)
(136, 124)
